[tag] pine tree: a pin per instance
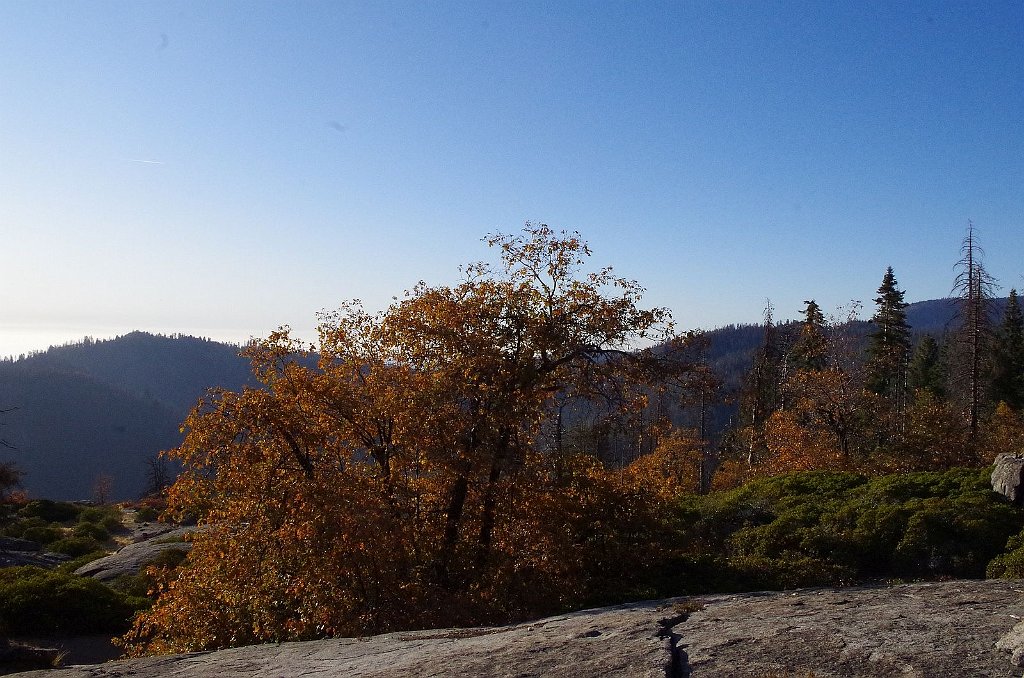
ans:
(1008, 357)
(810, 350)
(927, 371)
(760, 395)
(889, 347)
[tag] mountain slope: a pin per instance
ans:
(106, 408)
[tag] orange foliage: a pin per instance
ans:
(793, 446)
(673, 468)
(1003, 434)
(400, 481)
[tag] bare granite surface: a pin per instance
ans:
(917, 630)
(132, 559)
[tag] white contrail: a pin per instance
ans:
(147, 162)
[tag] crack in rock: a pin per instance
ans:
(678, 665)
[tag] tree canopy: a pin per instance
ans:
(402, 475)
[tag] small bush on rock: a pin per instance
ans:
(43, 535)
(91, 531)
(75, 546)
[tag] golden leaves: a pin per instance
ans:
(398, 478)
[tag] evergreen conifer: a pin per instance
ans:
(1008, 356)
(889, 347)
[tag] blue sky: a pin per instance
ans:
(224, 168)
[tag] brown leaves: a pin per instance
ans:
(398, 478)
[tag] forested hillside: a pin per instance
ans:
(106, 408)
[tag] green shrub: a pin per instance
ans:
(18, 527)
(168, 558)
(146, 514)
(75, 546)
(43, 535)
(107, 516)
(135, 585)
(113, 523)
(93, 514)
(815, 528)
(1009, 565)
(37, 601)
(141, 584)
(91, 530)
(50, 511)
(755, 573)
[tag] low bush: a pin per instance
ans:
(91, 530)
(75, 546)
(17, 527)
(825, 528)
(43, 535)
(50, 511)
(109, 517)
(136, 585)
(143, 584)
(168, 558)
(37, 601)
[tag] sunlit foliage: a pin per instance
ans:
(398, 477)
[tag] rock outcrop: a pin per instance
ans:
(957, 628)
(1008, 477)
(18, 657)
(14, 552)
(131, 559)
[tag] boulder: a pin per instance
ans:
(1008, 477)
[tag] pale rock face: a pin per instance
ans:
(954, 628)
(1008, 477)
(1013, 642)
(132, 559)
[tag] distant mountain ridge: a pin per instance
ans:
(106, 408)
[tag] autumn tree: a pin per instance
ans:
(832, 401)
(827, 414)
(889, 344)
(397, 477)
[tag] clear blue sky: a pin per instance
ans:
(224, 168)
